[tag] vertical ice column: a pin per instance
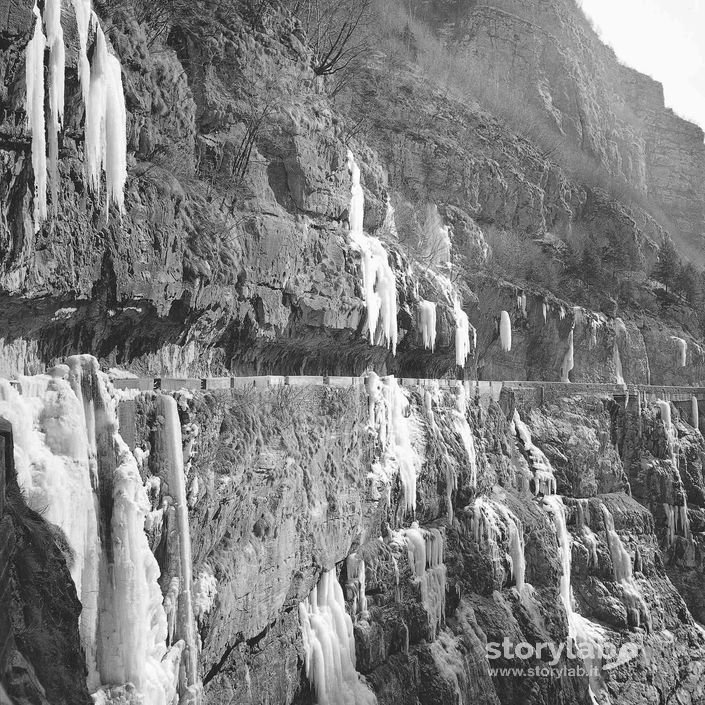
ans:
(400, 433)
(694, 413)
(505, 332)
(171, 448)
(84, 14)
(378, 279)
(427, 323)
(34, 108)
(329, 646)
(617, 361)
(567, 364)
(106, 140)
(133, 623)
(462, 335)
(462, 428)
(55, 41)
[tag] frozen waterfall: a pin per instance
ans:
(329, 646)
(462, 335)
(427, 323)
(74, 466)
(378, 280)
(544, 479)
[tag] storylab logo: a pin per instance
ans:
(591, 657)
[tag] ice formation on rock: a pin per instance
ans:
(34, 108)
(499, 530)
(682, 347)
(378, 280)
(355, 569)
(74, 466)
(588, 636)
(329, 646)
(106, 136)
(567, 364)
(205, 590)
(622, 564)
(694, 413)
(676, 520)
(427, 323)
(55, 42)
(521, 303)
(544, 479)
(505, 332)
(617, 360)
(665, 412)
(587, 535)
(101, 84)
(462, 428)
(54, 472)
(390, 416)
(462, 335)
(425, 551)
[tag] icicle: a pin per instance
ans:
(378, 280)
(544, 479)
(34, 108)
(55, 41)
(106, 139)
(694, 413)
(665, 411)
(84, 13)
(567, 364)
(522, 304)
(427, 323)
(462, 427)
(544, 311)
(172, 449)
(593, 333)
(505, 332)
(462, 335)
(617, 360)
(329, 646)
(682, 346)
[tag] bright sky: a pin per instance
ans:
(664, 39)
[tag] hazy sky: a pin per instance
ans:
(662, 38)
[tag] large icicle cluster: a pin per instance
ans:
(425, 551)
(329, 646)
(74, 466)
(544, 479)
(101, 87)
(378, 280)
(390, 417)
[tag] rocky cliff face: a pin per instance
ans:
(213, 268)
(287, 488)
